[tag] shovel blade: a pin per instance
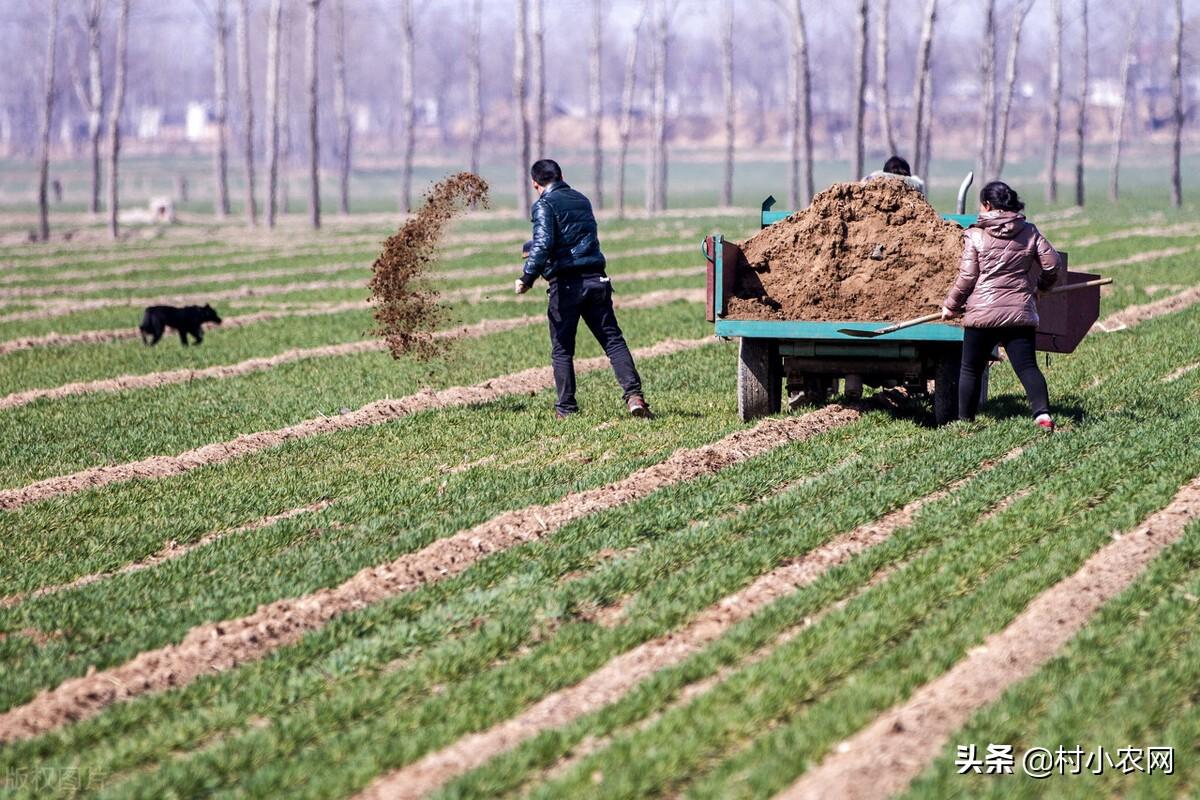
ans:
(863, 334)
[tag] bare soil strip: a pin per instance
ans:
(286, 310)
(172, 550)
(618, 677)
(220, 646)
(118, 334)
(1140, 258)
(1182, 229)
(155, 379)
(1133, 315)
(378, 412)
(1179, 373)
(883, 758)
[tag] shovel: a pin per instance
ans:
(938, 315)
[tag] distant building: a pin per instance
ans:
(198, 124)
(150, 123)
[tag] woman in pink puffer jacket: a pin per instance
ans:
(1005, 263)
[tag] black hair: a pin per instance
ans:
(1001, 196)
(897, 166)
(545, 172)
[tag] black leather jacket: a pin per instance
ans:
(564, 236)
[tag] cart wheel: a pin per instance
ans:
(945, 390)
(759, 379)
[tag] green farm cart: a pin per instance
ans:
(810, 358)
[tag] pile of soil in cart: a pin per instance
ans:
(406, 310)
(862, 251)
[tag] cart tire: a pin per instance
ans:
(945, 390)
(759, 379)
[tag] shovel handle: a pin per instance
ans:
(1070, 287)
(908, 323)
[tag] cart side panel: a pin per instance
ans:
(710, 278)
(1066, 317)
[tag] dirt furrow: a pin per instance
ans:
(883, 758)
(380, 411)
(619, 676)
(169, 552)
(1182, 229)
(1134, 315)
(152, 380)
(219, 646)
(1179, 373)
(1139, 258)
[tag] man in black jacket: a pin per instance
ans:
(565, 250)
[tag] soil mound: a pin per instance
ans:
(862, 251)
(406, 312)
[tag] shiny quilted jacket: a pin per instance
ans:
(1005, 262)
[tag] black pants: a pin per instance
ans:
(589, 299)
(1019, 343)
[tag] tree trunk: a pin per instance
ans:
(596, 103)
(649, 198)
(221, 111)
(927, 130)
(91, 99)
(987, 92)
(660, 112)
(881, 57)
(475, 67)
(285, 116)
(520, 107)
(274, 28)
(407, 103)
(1010, 82)
(1114, 174)
(920, 101)
(314, 149)
(1177, 93)
(860, 90)
(625, 124)
(730, 103)
(245, 87)
(44, 133)
(800, 182)
(1056, 88)
(341, 108)
(538, 89)
(1081, 121)
(114, 118)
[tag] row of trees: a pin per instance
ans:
(649, 63)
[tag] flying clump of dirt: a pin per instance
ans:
(406, 311)
(874, 250)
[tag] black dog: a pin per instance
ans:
(185, 320)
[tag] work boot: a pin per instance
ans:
(1045, 422)
(561, 415)
(637, 406)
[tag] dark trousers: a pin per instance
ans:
(589, 299)
(1019, 343)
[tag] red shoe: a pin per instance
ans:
(637, 406)
(1045, 423)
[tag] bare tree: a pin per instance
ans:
(1010, 82)
(1081, 120)
(475, 80)
(1056, 89)
(920, 84)
(341, 107)
(538, 87)
(1114, 174)
(881, 56)
(220, 27)
(285, 116)
(987, 92)
(1177, 94)
(860, 89)
(314, 149)
(800, 183)
(730, 103)
(520, 106)
(628, 88)
(114, 118)
(596, 103)
(408, 102)
(927, 128)
(649, 197)
(92, 97)
(274, 28)
(661, 71)
(244, 87)
(47, 114)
